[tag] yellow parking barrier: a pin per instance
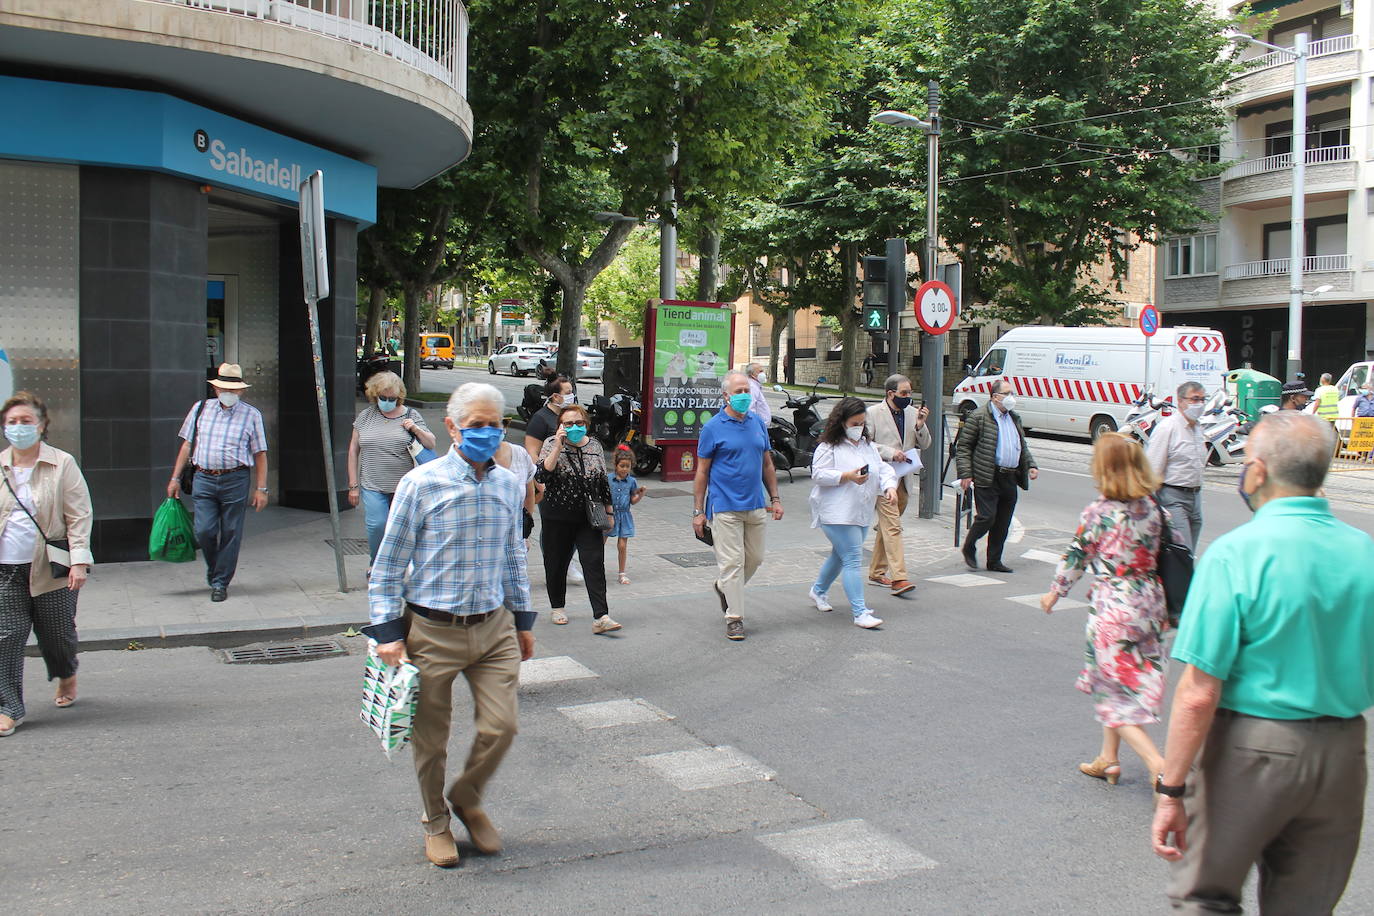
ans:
(1354, 445)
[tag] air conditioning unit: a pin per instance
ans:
(1132, 311)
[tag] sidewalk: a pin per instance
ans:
(286, 586)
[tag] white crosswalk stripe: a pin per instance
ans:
(847, 853)
(552, 669)
(1064, 604)
(965, 580)
(707, 767)
(610, 713)
(1044, 556)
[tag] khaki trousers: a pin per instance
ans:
(1287, 796)
(738, 539)
(488, 655)
(889, 556)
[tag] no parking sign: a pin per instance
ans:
(1149, 320)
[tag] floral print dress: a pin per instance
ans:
(1124, 665)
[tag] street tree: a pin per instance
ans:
(620, 292)
(1072, 130)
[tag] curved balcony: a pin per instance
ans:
(1329, 61)
(1256, 183)
(1261, 282)
(381, 81)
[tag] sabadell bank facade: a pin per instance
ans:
(151, 153)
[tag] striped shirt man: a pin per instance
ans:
(463, 537)
(228, 437)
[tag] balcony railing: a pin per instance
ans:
(428, 35)
(1276, 267)
(1284, 161)
(1322, 48)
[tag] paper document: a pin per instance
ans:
(912, 463)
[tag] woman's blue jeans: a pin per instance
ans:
(846, 562)
(376, 507)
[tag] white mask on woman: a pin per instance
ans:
(855, 433)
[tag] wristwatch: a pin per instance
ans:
(1170, 791)
(263, 490)
(696, 512)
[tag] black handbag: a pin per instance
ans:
(188, 473)
(1175, 567)
(57, 549)
(596, 512)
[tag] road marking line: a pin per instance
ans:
(847, 853)
(1044, 556)
(609, 713)
(551, 669)
(707, 767)
(1016, 532)
(1063, 604)
(965, 580)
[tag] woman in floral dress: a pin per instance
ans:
(1118, 538)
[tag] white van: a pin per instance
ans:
(1085, 380)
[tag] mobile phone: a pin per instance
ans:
(863, 471)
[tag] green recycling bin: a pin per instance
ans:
(1252, 390)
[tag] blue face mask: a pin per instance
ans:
(576, 434)
(1240, 488)
(740, 403)
(386, 405)
(22, 435)
(481, 442)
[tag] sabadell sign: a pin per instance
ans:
(242, 163)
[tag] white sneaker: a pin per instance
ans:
(819, 600)
(575, 574)
(867, 621)
(605, 625)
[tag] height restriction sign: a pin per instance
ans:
(934, 306)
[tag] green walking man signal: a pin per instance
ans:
(875, 319)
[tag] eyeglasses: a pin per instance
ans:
(1201, 399)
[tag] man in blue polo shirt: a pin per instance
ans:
(735, 488)
(1277, 681)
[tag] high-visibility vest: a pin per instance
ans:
(1328, 399)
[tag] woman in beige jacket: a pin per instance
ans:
(42, 491)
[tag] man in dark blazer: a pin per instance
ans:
(991, 454)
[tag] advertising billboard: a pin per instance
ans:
(690, 346)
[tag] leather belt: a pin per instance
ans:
(1174, 486)
(1002, 470)
(219, 472)
(462, 620)
(1232, 714)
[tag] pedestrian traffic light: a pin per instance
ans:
(875, 311)
(875, 318)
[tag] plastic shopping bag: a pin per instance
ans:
(173, 537)
(390, 696)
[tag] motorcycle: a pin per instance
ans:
(794, 442)
(616, 421)
(530, 403)
(1223, 427)
(1144, 416)
(369, 366)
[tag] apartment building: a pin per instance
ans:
(1233, 273)
(150, 153)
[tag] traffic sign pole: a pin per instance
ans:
(935, 313)
(1149, 326)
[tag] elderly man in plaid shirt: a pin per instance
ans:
(230, 442)
(455, 524)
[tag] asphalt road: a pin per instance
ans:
(928, 767)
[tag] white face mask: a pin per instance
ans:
(763, 378)
(1009, 402)
(1193, 411)
(228, 398)
(570, 398)
(855, 433)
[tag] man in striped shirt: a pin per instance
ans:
(464, 607)
(229, 442)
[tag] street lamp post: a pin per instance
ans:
(932, 345)
(1297, 243)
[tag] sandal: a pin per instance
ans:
(624, 579)
(66, 696)
(558, 617)
(1100, 768)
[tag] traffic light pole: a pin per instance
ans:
(896, 301)
(933, 345)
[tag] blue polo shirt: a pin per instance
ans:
(736, 449)
(1288, 638)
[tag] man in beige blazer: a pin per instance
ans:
(895, 426)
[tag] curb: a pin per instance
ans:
(223, 635)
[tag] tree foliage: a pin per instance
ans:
(1068, 125)
(620, 292)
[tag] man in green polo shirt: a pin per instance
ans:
(1278, 677)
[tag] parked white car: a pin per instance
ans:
(518, 359)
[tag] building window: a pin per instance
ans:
(1191, 256)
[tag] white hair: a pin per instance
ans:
(1296, 448)
(465, 397)
(733, 373)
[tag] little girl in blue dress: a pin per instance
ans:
(625, 492)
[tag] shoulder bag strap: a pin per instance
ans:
(25, 508)
(195, 432)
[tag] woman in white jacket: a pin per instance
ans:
(849, 474)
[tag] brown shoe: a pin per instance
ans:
(441, 850)
(884, 581)
(902, 586)
(480, 830)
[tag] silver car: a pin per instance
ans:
(590, 361)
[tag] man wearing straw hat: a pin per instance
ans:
(229, 442)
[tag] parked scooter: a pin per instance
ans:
(369, 366)
(794, 442)
(615, 421)
(1223, 426)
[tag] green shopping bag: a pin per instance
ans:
(174, 535)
